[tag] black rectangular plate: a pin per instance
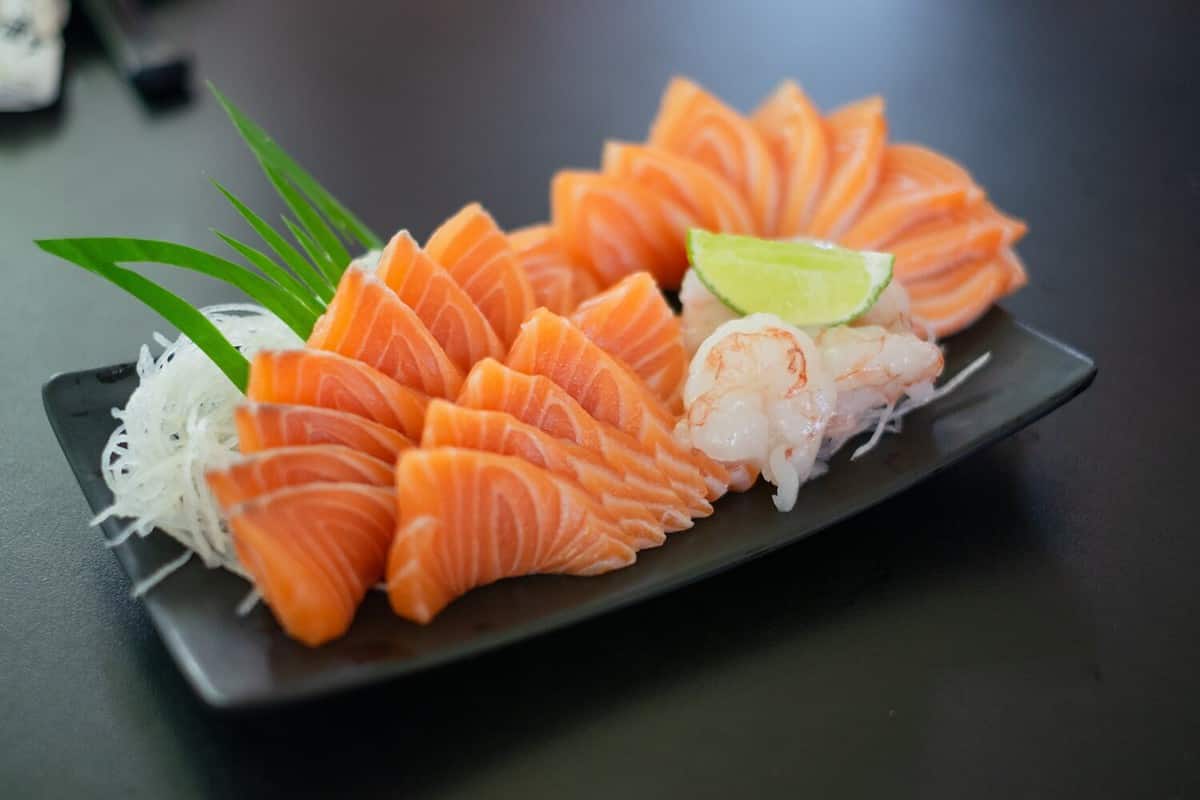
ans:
(244, 662)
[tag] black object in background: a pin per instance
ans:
(152, 64)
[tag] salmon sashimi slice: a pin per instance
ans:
(559, 282)
(616, 227)
(447, 310)
(794, 130)
(262, 426)
(450, 425)
(550, 345)
(314, 550)
(259, 473)
(696, 125)
(715, 203)
(915, 184)
(369, 322)
(971, 234)
(323, 378)
(470, 518)
(476, 253)
(632, 321)
(955, 298)
(857, 139)
(540, 402)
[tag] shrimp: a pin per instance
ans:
(873, 368)
(703, 311)
(758, 397)
(891, 310)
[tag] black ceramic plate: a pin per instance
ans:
(243, 662)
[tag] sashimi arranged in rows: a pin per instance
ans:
(497, 404)
(405, 359)
(785, 171)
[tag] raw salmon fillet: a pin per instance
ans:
(369, 322)
(470, 518)
(550, 345)
(314, 550)
(794, 130)
(616, 227)
(857, 138)
(559, 283)
(262, 426)
(916, 184)
(259, 473)
(544, 404)
(322, 378)
(447, 311)
(632, 321)
(450, 425)
(971, 234)
(696, 125)
(476, 253)
(714, 203)
(955, 298)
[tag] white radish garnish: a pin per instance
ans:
(177, 425)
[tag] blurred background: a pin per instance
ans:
(1041, 644)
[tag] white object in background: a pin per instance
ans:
(31, 52)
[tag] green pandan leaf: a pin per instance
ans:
(175, 310)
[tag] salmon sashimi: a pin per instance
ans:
(369, 322)
(558, 283)
(476, 253)
(857, 139)
(469, 518)
(540, 402)
(550, 345)
(794, 130)
(323, 378)
(696, 125)
(632, 321)
(715, 203)
(955, 298)
(262, 426)
(915, 184)
(314, 550)
(447, 310)
(450, 425)
(971, 234)
(259, 473)
(616, 227)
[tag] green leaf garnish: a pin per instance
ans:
(292, 286)
(275, 272)
(332, 254)
(178, 312)
(114, 250)
(272, 156)
(300, 267)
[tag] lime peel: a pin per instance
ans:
(803, 282)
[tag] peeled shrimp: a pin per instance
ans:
(758, 397)
(703, 311)
(874, 368)
(891, 310)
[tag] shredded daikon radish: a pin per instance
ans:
(177, 425)
(886, 419)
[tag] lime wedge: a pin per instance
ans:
(803, 282)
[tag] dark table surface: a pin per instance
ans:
(1024, 625)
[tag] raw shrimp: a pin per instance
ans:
(757, 397)
(703, 311)
(873, 369)
(891, 310)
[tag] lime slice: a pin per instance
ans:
(805, 283)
